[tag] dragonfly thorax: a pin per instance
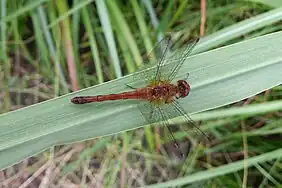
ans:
(163, 92)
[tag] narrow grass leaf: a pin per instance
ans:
(93, 44)
(104, 18)
(118, 17)
(50, 42)
(239, 29)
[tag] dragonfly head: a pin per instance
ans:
(183, 88)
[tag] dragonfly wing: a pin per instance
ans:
(181, 56)
(175, 60)
(155, 114)
(158, 54)
(141, 78)
(174, 110)
(168, 64)
(165, 120)
(162, 49)
(162, 52)
(149, 112)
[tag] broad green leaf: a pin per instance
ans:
(217, 78)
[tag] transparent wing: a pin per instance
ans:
(162, 54)
(174, 109)
(165, 118)
(169, 63)
(179, 58)
(149, 112)
(156, 114)
(161, 50)
(156, 56)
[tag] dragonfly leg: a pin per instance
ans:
(186, 77)
(131, 87)
(169, 100)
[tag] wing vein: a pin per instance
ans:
(187, 51)
(181, 110)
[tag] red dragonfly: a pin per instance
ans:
(159, 93)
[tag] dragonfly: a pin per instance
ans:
(159, 97)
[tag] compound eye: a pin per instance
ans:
(183, 88)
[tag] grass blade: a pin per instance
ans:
(104, 18)
(239, 29)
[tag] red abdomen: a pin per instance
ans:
(137, 94)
